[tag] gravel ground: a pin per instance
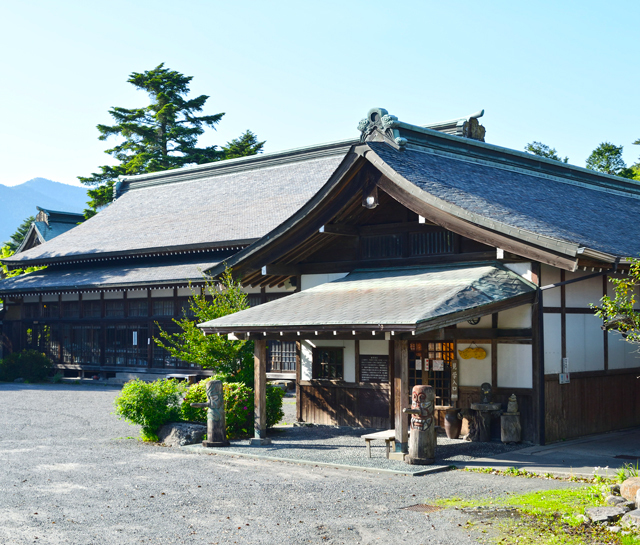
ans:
(72, 473)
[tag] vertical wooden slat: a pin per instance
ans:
(392, 368)
(298, 377)
(357, 351)
(401, 387)
(494, 352)
(260, 392)
(605, 333)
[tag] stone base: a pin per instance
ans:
(212, 444)
(419, 461)
(397, 456)
(259, 442)
(510, 428)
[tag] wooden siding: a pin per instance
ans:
(591, 403)
(345, 404)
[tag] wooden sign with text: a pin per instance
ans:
(374, 368)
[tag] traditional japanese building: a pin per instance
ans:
(412, 255)
(48, 224)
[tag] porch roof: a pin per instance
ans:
(59, 280)
(409, 299)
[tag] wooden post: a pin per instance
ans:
(298, 378)
(260, 387)
(401, 394)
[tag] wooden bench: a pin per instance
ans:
(389, 436)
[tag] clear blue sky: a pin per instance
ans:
(299, 73)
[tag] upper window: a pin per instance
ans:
(328, 363)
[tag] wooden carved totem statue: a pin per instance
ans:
(216, 424)
(422, 439)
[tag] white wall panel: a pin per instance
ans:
(162, 293)
(312, 280)
(581, 294)
(523, 269)
(611, 292)
(515, 318)
(622, 355)
(306, 361)
(515, 366)
(137, 294)
(91, 296)
(70, 297)
(473, 372)
(585, 343)
(374, 348)
(550, 275)
(113, 295)
(32, 299)
(52, 298)
(552, 344)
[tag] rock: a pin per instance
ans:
(629, 488)
(178, 434)
(614, 529)
(615, 500)
(604, 514)
(610, 489)
(632, 518)
(19, 380)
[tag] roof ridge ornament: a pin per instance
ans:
(381, 120)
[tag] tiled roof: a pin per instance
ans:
(400, 297)
(232, 202)
(103, 277)
(594, 217)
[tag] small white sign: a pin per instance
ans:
(565, 378)
(438, 365)
(565, 365)
(418, 365)
(135, 338)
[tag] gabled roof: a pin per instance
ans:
(47, 225)
(227, 204)
(414, 299)
(538, 208)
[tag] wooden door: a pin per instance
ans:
(430, 363)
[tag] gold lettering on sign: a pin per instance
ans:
(454, 380)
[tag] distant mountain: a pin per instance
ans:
(19, 201)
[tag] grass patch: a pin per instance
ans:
(548, 516)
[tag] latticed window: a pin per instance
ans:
(50, 310)
(281, 356)
(430, 363)
(138, 307)
(328, 363)
(114, 309)
(163, 308)
(71, 309)
(31, 310)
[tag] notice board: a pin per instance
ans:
(374, 368)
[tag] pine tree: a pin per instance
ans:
(542, 150)
(247, 144)
(16, 239)
(160, 136)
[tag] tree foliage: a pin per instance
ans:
(247, 144)
(16, 239)
(160, 136)
(212, 351)
(542, 150)
(607, 158)
(618, 313)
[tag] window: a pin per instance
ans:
(71, 309)
(114, 309)
(138, 307)
(50, 310)
(432, 243)
(281, 356)
(92, 309)
(380, 246)
(430, 363)
(328, 363)
(254, 299)
(31, 310)
(163, 308)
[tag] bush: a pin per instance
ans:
(31, 365)
(238, 402)
(150, 404)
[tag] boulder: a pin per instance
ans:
(632, 518)
(614, 500)
(178, 434)
(604, 514)
(629, 488)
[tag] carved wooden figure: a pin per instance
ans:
(422, 439)
(216, 423)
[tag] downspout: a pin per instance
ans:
(541, 384)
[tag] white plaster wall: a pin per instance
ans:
(349, 355)
(283, 289)
(552, 344)
(523, 269)
(137, 294)
(582, 293)
(183, 292)
(32, 299)
(70, 297)
(113, 295)
(515, 318)
(473, 372)
(515, 366)
(550, 275)
(162, 293)
(622, 355)
(312, 280)
(485, 322)
(374, 348)
(585, 343)
(49, 298)
(91, 296)
(250, 289)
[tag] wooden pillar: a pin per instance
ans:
(298, 378)
(260, 392)
(401, 394)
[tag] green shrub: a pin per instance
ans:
(150, 404)
(31, 365)
(238, 402)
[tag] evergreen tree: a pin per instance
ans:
(16, 239)
(160, 136)
(607, 158)
(538, 148)
(247, 144)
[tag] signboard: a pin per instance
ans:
(374, 368)
(454, 380)
(135, 338)
(418, 365)
(438, 365)
(565, 378)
